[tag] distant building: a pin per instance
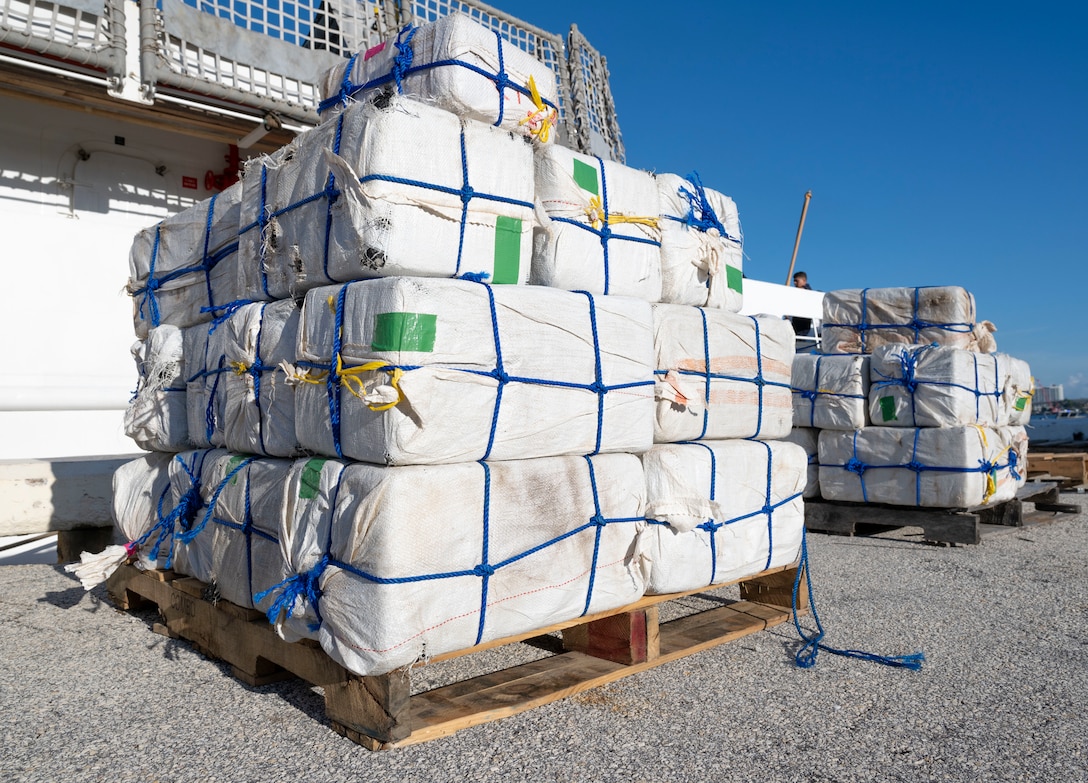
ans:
(1046, 396)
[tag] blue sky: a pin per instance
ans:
(944, 143)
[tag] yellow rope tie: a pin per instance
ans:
(598, 217)
(354, 384)
(240, 368)
(542, 119)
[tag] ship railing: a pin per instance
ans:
(84, 36)
(267, 57)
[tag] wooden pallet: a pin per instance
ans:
(379, 712)
(939, 525)
(1068, 469)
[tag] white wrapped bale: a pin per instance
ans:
(185, 266)
(600, 226)
(424, 371)
(1019, 389)
(702, 256)
(721, 375)
(396, 188)
(425, 560)
(725, 510)
(141, 490)
(156, 417)
(459, 65)
(860, 320)
(933, 386)
(830, 391)
(233, 543)
(258, 405)
(808, 438)
(939, 467)
(206, 369)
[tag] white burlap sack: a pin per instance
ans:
(258, 405)
(721, 375)
(156, 417)
(390, 188)
(808, 438)
(933, 386)
(733, 508)
(830, 392)
(702, 256)
(941, 467)
(233, 544)
(206, 370)
(860, 320)
(186, 263)
(600, 226)
(1019, 389)
(425, 560)
(457, 64)
(141, 494)
(433, 371)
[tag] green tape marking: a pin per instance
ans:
(734, 278)
(585, 176)
(404, 332)
(310, 482)
(507, 250)
(234, 462)
(887, 408)
(1021, 403)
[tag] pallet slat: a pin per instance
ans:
(380, 712)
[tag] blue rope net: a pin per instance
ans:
(303, 589)
(813, 395)
(767, 510)
(331, 193)
(337, 365)
(908, 379)
(605, 233)
(915, 325)
(860, 468)
(148, 308)
(758, 380)
(404, 65)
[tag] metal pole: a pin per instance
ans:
(797, 242)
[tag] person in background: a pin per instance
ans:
(801, 326)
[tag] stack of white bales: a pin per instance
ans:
(471, 442)
(927, 414)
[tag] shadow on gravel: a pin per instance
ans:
(75, 596)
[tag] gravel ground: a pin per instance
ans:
(88, 693)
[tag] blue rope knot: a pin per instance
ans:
(767, 509)
(502, 81)
(984, 466)
(598, 388)
(499, 374)
(711, 526)
(1013, 461)
(697, 201)
(483, 569)
(332, 193)
(759, 380)
(188, 507)
(916, 466)
(598, 520)
(807, 394)
(467, 194)
(153, 284)
(855, 465)
(304, 585)
(476, 277)
(403, 61)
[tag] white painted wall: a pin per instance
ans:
(66, 322)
